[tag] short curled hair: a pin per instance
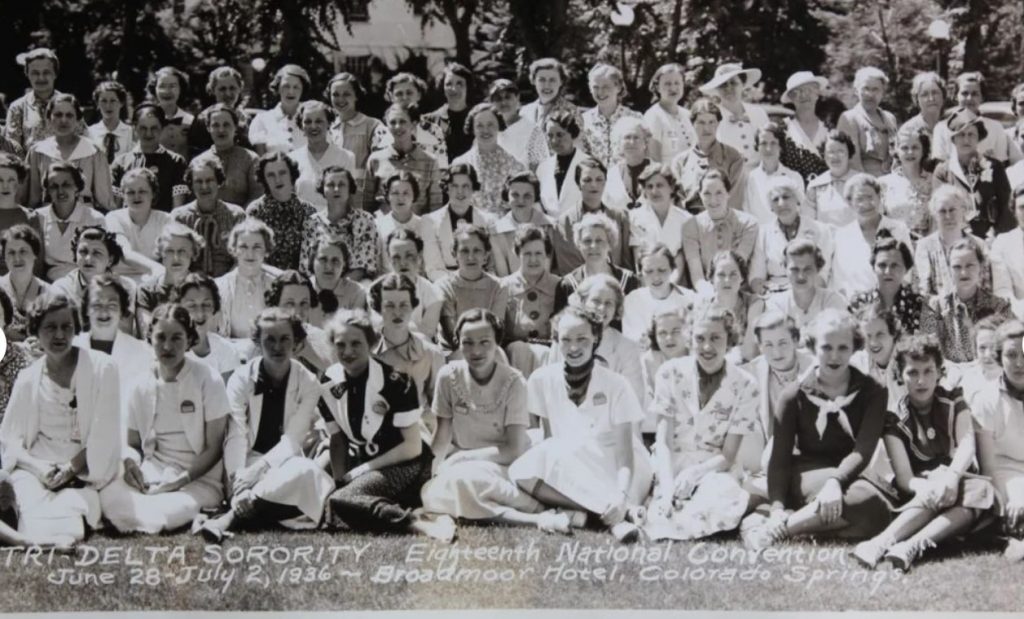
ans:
(478, 314)
(403, 78)
(833, 318)
(220, 73)
(180, 315)
(173, 230)
(774, 319)
(104, 280)
(576, 310)
(836, 135)
(877, 311)
(802, 246)
(566, 120)
(946, 192)
(146, 174)
(100, 234)
(548, 64)
(251, 225)
(655, 83)
(336, 169)
(970, 77)
(599, 281)
(859, 180)
(869, 73)
(918, 347)
(722, 316)
(392, 282)
(269, 158)
(663, 170)
(625, 126)
(590, 163)
(220, 108)
(724, 255)
(704, 105)
(680, 312)
(356, 318)
(40, 53)
(781, 183)
(402, 234)
(412, 111)
(289, 277)
(329, 240)
(482, 108)
(969, 245)
(402, 176)
(466, 231)
(119, 91)
(312, 106)
(67, 168)
(1010, 331)
(458, 70)
(466, 169)
(773, 128)
(154, 110)
(605, 70)
(530, 233)
(655, 249)
(47, 303)
(272, 316)
(291, 70)
(200, 281)
(887, 242)
(25, 233)
(714, 174)
(596, 220)
(528, 178)
(344, 78)
(923, 79)
(174, 72)
(64, 98)
(209, 162)
(15, 164)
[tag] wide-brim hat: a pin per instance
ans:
(961, 119)
(801, 78)
(726, 72)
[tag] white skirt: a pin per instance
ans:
(476, 490)
(583, 471)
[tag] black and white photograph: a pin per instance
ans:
(511, 307)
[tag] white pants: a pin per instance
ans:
(44, 512)
(298, 482)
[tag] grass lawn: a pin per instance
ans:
(320, 571)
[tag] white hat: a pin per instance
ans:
(799, 79)
(728, 71)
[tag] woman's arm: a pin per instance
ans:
(624, 456)
(905, 480)
(663, 459)
(209, 457)
(442, 442)
(867, 439)
(410, 448)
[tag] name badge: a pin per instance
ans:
(188, 407)
(600, 399)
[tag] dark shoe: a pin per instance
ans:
(8, 502)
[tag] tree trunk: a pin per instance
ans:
(675, 30)
(126, 67)
(972, 40)
(461, 25)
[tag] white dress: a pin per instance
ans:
(578, 459)
(675, 133)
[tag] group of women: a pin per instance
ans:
(671, 324)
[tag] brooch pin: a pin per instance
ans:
(380, 407)
(930, 433)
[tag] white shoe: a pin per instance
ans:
(554, 522)
(441, 528)
(869, 553)
(626, 532)
(903, 554)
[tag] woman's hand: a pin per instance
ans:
(1014, 514)
(59, 476)
(352, 474)
(248, 477)
(947, 488)
(133, 476)
(686, 483)
(830, 501)
(178, 482)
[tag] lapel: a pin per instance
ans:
(85, 388)
(957, 170)
(372, 419)
(256, 401)
(567, 192)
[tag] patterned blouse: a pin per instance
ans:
(909, 307)
(358, 230)
(492, 168)
(13, 362)
(597, 132)
(953, 320)
(907, 200)
(26, 120)
(291, 221)
(214, 227)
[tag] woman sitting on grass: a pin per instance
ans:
(177, 414)
(930, 442)
(592, 458)
(705, 406)
(480, 403)
(834, 416)
(377, 454)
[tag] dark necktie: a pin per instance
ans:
(110, 143)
